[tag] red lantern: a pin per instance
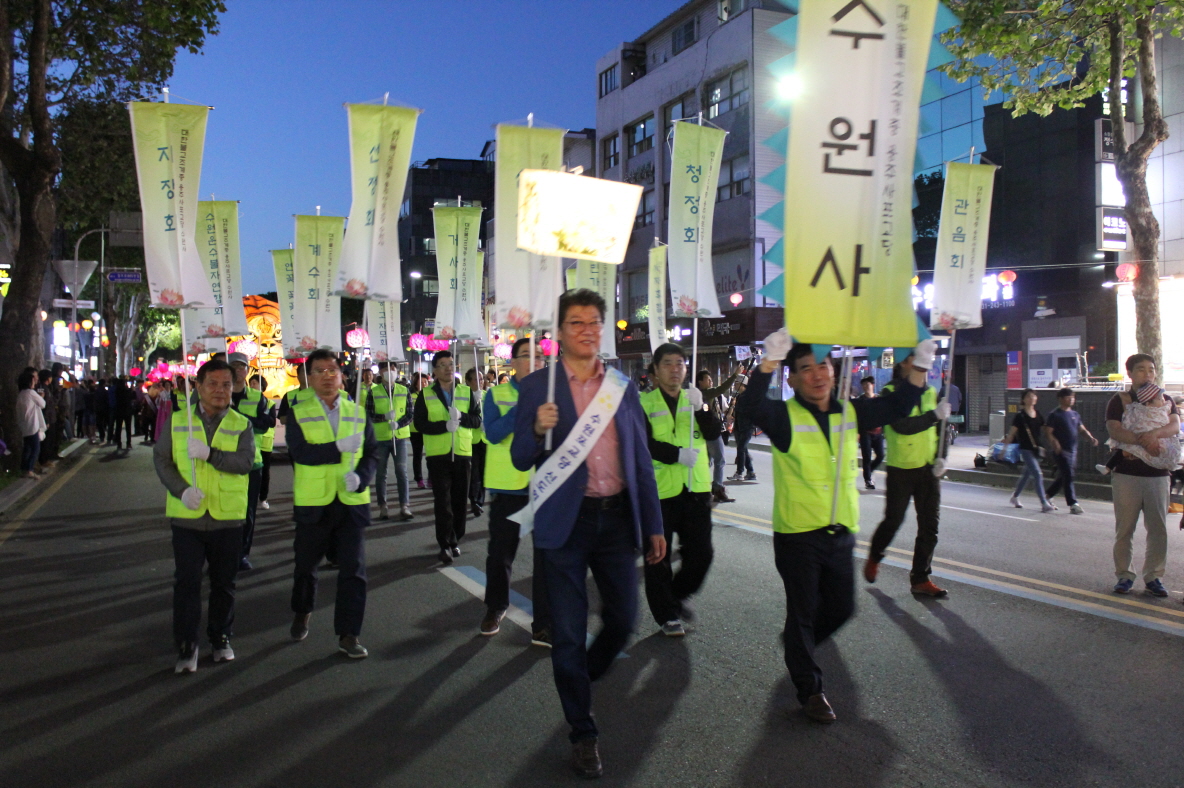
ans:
(105, 342)
(1005, 277)
(356, 337)
(1126, 272)
(417, 342)
(135, 372)
(549, 347)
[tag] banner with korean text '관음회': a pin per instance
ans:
(960, 261)
(849, 171)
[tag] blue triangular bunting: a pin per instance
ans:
(775, 215)
(945, 19)
(775, 290)
(821, 351)
(786, 31)
(938, 56)
(779, 107)
(922, 330)
(776, 179)
(785, 65)
(776, 254)
(779, 142)
(874, 354)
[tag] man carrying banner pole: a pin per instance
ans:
(813, 549)
(594, 503)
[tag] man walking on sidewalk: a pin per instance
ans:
(1062, 427)
(205, 510)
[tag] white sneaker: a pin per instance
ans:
(1048, 507)
(673, 629)
(406, 512)
(1102, 469)
(264, 505)
(222, 650)
(187, 660)
(1075, 509)
(1015, 501)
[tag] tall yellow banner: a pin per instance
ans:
(849, 174)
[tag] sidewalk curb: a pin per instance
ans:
(18, 491)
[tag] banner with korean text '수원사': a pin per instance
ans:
(694, 178)
(960, 262)
(217, 237)
(168, 140)
(601, 278)
(380, 139)
(458, 261)
(849, 172)
(524, 283)
(316, 314)
(383, 321)
(657, 296)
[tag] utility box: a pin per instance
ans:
(997, 426)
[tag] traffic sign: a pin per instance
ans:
(125, 275)
(66, 303)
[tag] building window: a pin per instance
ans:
(645, 209)
(684, 36)
(612, 151)
(641, 136)
(608, 80)
(676, 111)
(730, 9)
(728, 93)
(733, 179)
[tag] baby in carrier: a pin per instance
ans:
(1149, 410)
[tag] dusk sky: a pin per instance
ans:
(278, 74)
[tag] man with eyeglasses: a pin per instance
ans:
(508, 485)
(334, 456)
(594, 504)
(449, 449)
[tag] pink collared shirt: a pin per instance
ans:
(604, 464)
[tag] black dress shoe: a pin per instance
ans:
(817, 709)
(244, 564)
(585, 759)
(477, 510)
(445, 556)
(455, 551)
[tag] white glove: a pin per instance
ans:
(696, 398)
(742, 380)
(453, 414)
(192, 498)
(353, 482)
(923, 354)
(452, 425)
(392, 417)
(778, 344)
(688, 457)
(350, 443)
(942, 411)
(197, 450)
(939, 467)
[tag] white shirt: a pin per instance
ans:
(29, 414)
(333, 414)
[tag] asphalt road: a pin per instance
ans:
(1030, 673)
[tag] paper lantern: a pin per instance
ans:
(135, 372)
(417, 342)
(1127, 272)
(549, 347)
(244, 346)
(736, 299)
(356, 337)
(502, 350)
(566, 215)
(1005, 277)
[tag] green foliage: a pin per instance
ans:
(927, 214)
(1044, 54)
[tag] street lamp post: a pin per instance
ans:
(102, 287)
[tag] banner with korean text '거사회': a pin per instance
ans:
(657, 296)
(217, 237)
(316, 314)
(458, 261)
(694, 178)
(960, 262)
(849, 172)
(524, 283)
(383, 319)
(168, 140)
(380, 139)
(601, 278)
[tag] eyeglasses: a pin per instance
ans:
(326, 373)
(579, 326)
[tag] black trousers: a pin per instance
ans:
(743, 457)
(122, 422)
(253, 484)
(192, 550)
(869, 443)
(450, 493)
(818, 571)
(265, 476)
(925, 489)
(1065, 472)
(417, 456)
(687, 514)
(503, 547)
(477, 474)
(343, 529)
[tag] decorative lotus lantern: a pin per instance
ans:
(502, 350)
(244, 346)
(1127, 272)
(357, 337)
(417, 342)
(549, 347)
(135, 372)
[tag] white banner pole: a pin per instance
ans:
(188, 394)
(844, 386)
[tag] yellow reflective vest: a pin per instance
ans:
(225, 493)
(500, 473)
(913, 451)
(382, 408)
(318, 485)
(249, 407)
(672, 479)
(435, 445)
(804, 477)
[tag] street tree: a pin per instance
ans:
(53, 53)
(158, 328)
(1044, 54)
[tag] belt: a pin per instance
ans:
(603, 504)
(836, 530)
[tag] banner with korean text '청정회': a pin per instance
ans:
(960, 261)
(849, 171)
(694, 178)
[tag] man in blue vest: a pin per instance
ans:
(507, 485)
(815, 522)
(595, 512)
(257, 409)
(334, 458)
(206, 512)
(914, 471)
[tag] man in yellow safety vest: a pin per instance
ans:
(204, 469)
(334, 456)
(251, 403)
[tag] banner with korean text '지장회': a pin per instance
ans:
(383, 321)
(960, 261)
(458, 313)
(285, 288)
(657, 296)
(217, 237)
(316, 314)
(601, 278)
(524, 283)
(168, 140)
(849, 174)
(380, 139)
(694, 179)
